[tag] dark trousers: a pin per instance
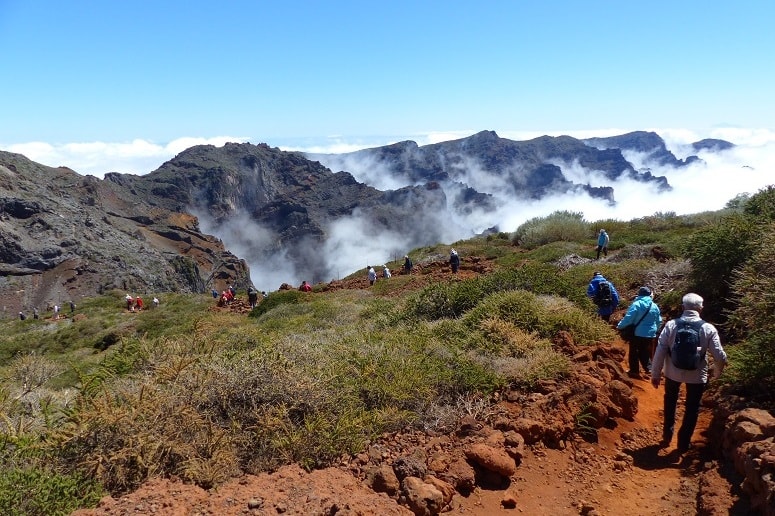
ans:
(640, 352)
(691, 411)
(601, 248)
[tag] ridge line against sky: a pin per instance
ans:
(104, 86)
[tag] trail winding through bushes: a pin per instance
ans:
(622, 473)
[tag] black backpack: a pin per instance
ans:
(686, 351)
(604, 296)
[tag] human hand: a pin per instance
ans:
(655, 382)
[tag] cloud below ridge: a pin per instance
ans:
(702, 186)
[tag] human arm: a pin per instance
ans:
(716, 350)
(660, 354)
(629, 317)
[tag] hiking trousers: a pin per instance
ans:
(691, 411)
(640, 352)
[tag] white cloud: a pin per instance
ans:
(351, 243)
(97, 158)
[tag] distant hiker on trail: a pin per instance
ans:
(35, 314)
(225, 298)
(22, 316)
(264, 294)
(454, 261)
(72, 307)
(252, 297)
(603, 294)
(214, 293)
(407, 264)
(305, 287)
(681, 354)
(156, 302)
(130, 303)
(602, 244)
(232, 291)
(645, 316)
(385, 272)
(371, 274)
(138, 303)
(56, 311)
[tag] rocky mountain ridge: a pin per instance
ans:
(277, 215)
(64, 236)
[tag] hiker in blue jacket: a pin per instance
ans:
(645, 315)
(606, 304)
(602, 244)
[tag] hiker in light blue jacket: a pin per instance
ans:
(645, 314)
(602, 244)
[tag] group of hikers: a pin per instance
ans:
(228, 296)
(371, 274)
(135, 304)
(56, 312)
(679, 351)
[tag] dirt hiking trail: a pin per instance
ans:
(620, 472)
(616, 470)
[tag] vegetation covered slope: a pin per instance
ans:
(103, 399)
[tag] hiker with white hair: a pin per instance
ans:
(407, 264)
(454, 261)
(681, 354)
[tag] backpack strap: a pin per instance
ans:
(644, 315)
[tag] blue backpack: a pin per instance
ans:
(686, 352)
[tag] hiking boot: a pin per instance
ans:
(684, 448)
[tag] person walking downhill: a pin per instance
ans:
(602, 244)
(603, 294)
(681, 355)
(407, 264)
(644, 315)
(454, 261)
(371, 274)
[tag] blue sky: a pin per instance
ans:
(102, 85)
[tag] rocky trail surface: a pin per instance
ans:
(621, 471)
(526, 454)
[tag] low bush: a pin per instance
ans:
(275, 299)
(36, 491)
(560, 226)
(545, 316)
(452, 299)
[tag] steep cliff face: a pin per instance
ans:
(266, 202)
(65, 236)
(528, 169)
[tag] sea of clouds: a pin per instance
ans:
(351, 244)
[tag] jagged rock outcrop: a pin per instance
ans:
(272, 202)
(64, 236)
(531, 169)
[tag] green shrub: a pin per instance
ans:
(29, 491)
(753, 285)
(563, 226)
(761, 205)
(714, 253)
(275, 299)
(544, 315)
(454, 298)
(542, 363)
